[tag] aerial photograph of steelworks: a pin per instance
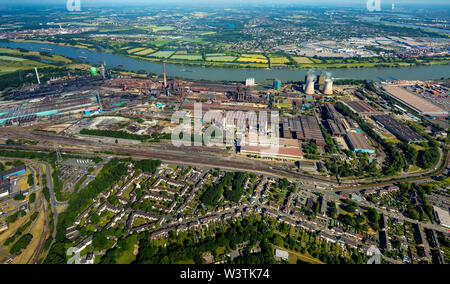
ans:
(224, 132)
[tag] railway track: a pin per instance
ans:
(40, 247)
(198, 156)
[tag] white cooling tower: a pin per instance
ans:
(309, 88)
(328, 88)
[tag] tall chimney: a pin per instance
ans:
(165, 78)
(37, 75)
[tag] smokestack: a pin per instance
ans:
(165, 78)
(328, 88)
(37, 75)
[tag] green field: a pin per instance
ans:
(221, 58)
(187, 57)
(135, 50)
(9, 58)
(162, 54)
(163, 28)
(161, 41)
(10, 64)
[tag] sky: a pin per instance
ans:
(307, 2)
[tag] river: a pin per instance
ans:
(224, 74)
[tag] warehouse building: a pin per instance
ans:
(47, 107)
(400, 130)
(308, 166)
(4, 188)
(443, 217)
(358, 143)
(281, 153)
(336, 122)
(304, 128)
(14, 172)
(361, 108)
(416, 103)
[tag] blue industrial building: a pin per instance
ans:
(38, 114)
(276, 85)
(358, 143)
(21, 170)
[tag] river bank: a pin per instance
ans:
(95, 57)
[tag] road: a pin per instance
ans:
(333, 196)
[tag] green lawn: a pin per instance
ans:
(126, 258)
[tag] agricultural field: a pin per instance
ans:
(162, 29)
(161, 42)
(196, 57)
(253, 58)
(303, 60)
(256, 56)
(162, 54)
(135, 50)
(13, 60)
(14, 64)
(221, 59)
(145, 52)
(278, 59)
(9, 58)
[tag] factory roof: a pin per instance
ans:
(358, 141)
(414, 102)
(282, 254)
(398, 129)
(307, 165)
(4, 186)
(444, 216)
(278, 152)
(12, 171)
(360, 107)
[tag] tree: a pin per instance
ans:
(19, 197)
(99, 241)
(32, 197)
(333, 210)
(427, 158)
(30, 180)
(21, 244)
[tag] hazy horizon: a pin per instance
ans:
(223, 2)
